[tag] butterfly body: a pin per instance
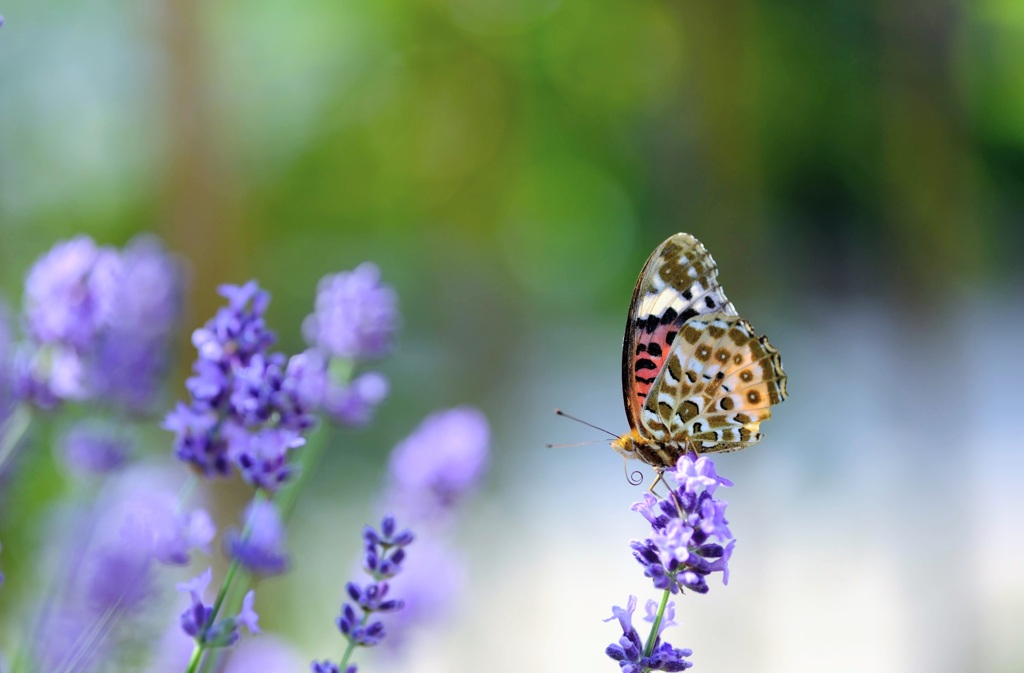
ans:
(695, 375)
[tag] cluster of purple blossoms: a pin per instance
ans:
(198, 618)
(440, 463)
(355, 316)
(681, 552)
(382, 560)
(98, 322)
(354, 320)
(249, 407)
(629, 651)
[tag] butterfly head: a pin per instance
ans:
(627, 444)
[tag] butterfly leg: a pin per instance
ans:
(660, 478)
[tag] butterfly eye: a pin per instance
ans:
(722, 356)
(703, 353)
(746, 376)
(754, 397)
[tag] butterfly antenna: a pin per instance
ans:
(566, 446)
(559, 412)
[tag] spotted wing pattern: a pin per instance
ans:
(679, 281)
(718, 383)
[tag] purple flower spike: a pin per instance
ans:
(99, 322)
(689, 540)
(355, 315)
(249, 407)
(442, 461)
(385, 551)
(263, 551)
(682, 549)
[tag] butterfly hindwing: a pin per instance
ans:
(679, 282)
(717, 385)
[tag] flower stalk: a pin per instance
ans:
(652, 637)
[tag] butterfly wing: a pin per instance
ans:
(718, 383)
(679, 281)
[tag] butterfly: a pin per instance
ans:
(695, 375)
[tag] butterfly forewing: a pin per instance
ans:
(679, 282)
(717, 385)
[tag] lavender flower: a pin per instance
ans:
(248, 406)
(99, 322)
(261, 550)
(441, 461)
(195, 620)
(354, 319)
(95, 447)
(680, 553)
(355, 315)
(382, 560)
(629, 650)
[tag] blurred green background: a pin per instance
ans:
(857, 170)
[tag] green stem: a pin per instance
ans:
(649, 647)
(193, 662)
